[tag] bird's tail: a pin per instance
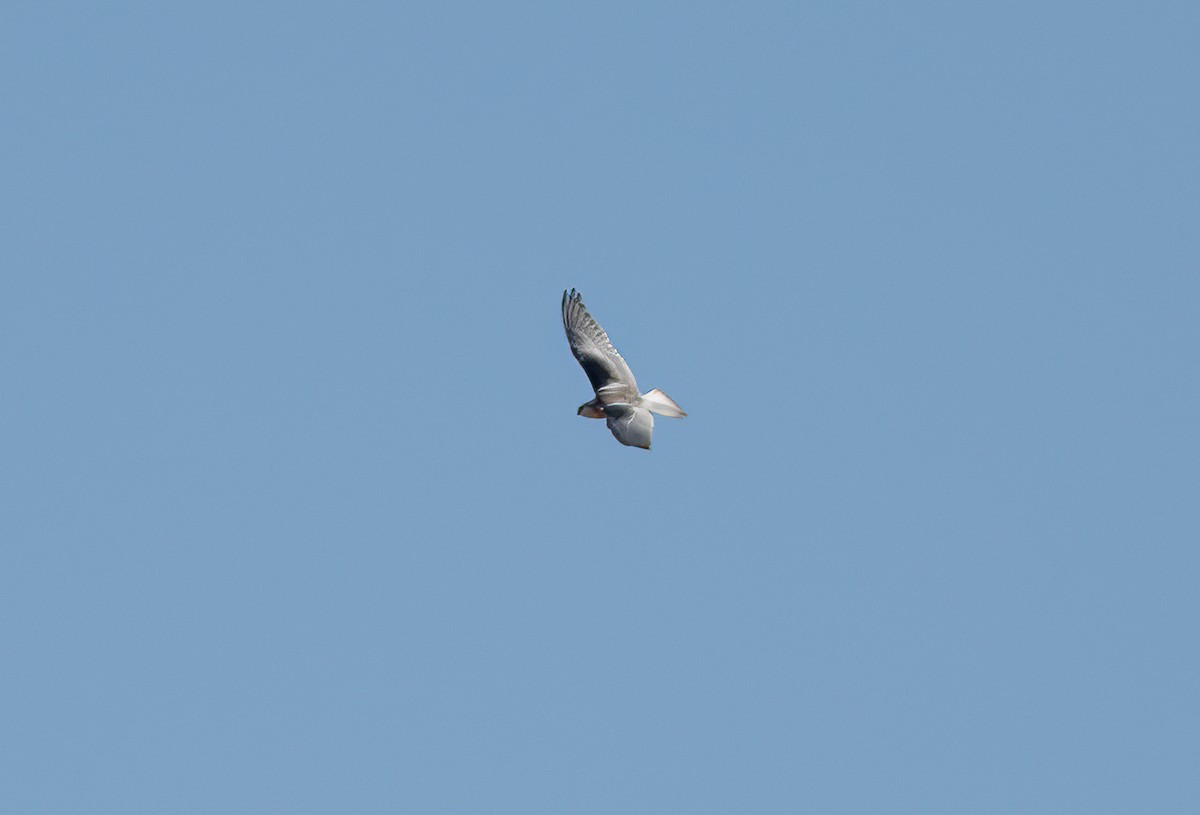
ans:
(658, 402)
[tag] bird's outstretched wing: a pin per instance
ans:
(605, 368)
(631, 425)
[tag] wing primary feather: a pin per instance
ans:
(593, 349)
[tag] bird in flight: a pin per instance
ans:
(617, 401)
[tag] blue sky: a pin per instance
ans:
(297, 512)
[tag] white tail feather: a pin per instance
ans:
(658, 402)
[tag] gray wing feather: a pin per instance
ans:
(604, 367)
(631, 425)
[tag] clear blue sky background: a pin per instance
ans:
(297, 515)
